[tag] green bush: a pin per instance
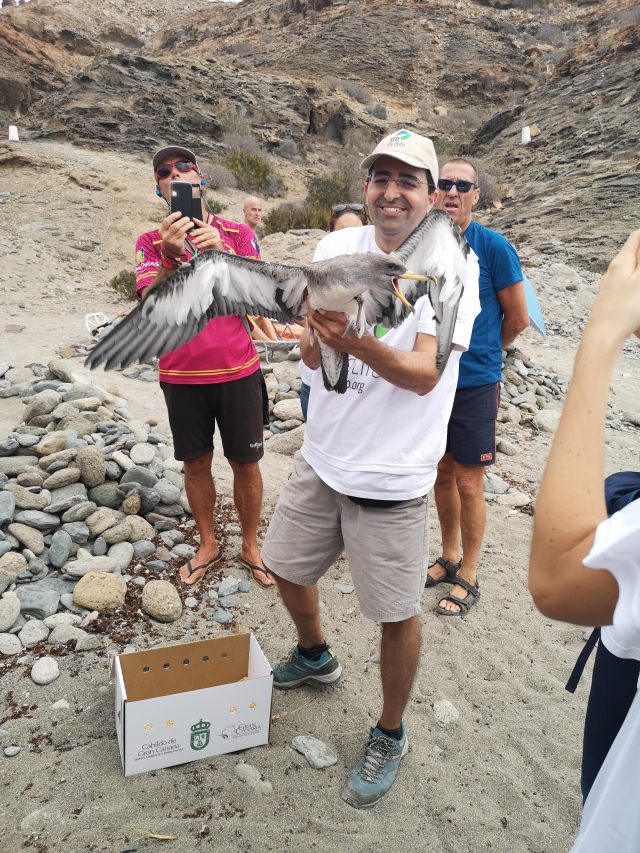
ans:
(252, 172)
(214, 204)
(287, 217)
(341, 186)
(124, 284)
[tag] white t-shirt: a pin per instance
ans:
(377, 440)
(611, 818)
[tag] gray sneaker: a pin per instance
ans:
(295, 670)
(376, 771)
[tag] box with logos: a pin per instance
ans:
(179, 703)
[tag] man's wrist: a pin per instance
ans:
(171, 261)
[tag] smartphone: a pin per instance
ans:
(187, 199)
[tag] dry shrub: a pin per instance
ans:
(288, 217)
(219, 177)
(124, 284)
(358, 93)
(242, 142)
(253, 173)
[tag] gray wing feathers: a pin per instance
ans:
(213, 285)
(438, 248)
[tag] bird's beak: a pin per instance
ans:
(401, 295)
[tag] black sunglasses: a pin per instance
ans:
(340, 208)
(445, 185)
(181, 165)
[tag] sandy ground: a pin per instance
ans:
(504, 778)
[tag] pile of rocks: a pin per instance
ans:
(527, 388)
(84, 488)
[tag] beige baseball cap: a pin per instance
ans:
(409, 148)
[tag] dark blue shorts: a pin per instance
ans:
(471, 436)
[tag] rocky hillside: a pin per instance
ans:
(330, 76)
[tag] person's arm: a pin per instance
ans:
(309, 352)
(515, 312)
(571, 504)
(414, 370)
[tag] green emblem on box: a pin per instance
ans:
(200, 734)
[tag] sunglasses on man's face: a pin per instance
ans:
(445, 185)
(340, 208)
(181, 165)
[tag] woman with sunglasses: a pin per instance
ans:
(351, 215)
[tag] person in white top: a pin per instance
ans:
(368, 462)
(584, 568)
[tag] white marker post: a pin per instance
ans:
(13, 133)
(526, 135)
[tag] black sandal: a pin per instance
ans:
(450, 569)
(465, 604)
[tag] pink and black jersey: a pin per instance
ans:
(223, 350)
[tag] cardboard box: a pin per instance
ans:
(179, 703)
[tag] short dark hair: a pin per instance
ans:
(462, 160)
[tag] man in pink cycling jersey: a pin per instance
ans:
(215, 378)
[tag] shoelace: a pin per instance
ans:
(377, 751)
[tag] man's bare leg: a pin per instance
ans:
(201, 493)
(448, 506)
(473, 516)
(247, 495)
(399, 658)
(302, 604)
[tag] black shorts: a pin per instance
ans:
(236, 406)
(471, 436)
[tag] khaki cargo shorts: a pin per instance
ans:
(386, 548)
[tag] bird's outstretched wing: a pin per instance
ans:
(436, 248)
(213, 284)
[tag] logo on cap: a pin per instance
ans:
(399, 137)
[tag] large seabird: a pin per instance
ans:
(369, 288)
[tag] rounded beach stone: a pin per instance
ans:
(45, 670)
(33, 632)
(59, 549)
(9, 645)
(9, 610)
(62, 478)
(25, 499)
(79, 512)
(161, 601)
(287, 410)
(7, 506)
(52, 443)
(102, 519)
(107, 495)
(31, 538)
(85, 564)
(41, 404)
(131, 504)
(140, 475)
(36, 518)
(100, 591)
(317, 753)
(122, 554)
(12, 564)
(139, 528)
(142, 454)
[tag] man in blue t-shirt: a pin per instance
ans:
(471, 437)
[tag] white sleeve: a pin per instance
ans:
(617, 548)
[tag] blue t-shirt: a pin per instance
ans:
(499, 268)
